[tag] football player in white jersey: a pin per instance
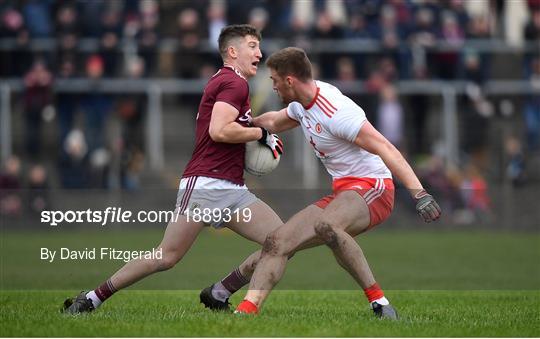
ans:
(361, 162)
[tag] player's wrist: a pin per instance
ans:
(418, 193)
(264, 135)
(255, 122)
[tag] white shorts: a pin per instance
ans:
(214, 195)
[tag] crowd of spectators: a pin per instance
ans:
(20, 194)
(407, 31)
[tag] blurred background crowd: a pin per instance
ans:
(94, 138)
(103, 28)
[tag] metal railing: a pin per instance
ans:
(348, 45)
(155, 88)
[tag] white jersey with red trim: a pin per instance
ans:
(330, 124)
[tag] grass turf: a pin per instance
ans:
(400, 260)
(287, 313)
(443, 284)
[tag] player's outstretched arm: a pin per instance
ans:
(275, 121)
(374, 142)
(224, 128)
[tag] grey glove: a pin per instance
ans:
(426, 206)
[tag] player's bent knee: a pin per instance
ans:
(167, 261)
(273, 245)
(326, 233)
(270, 244)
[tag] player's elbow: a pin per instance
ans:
(216, 135)
(381, 147)
(388, 152)
(387, 147)
(271, 127)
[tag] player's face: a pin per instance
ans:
(282, 87)
(249, 55)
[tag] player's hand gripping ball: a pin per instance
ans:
(271, 141)
(262, 156)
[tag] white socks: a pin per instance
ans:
(220, 292)
(95, 300)
(382, 301)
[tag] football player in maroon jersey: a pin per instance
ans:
(212, 189)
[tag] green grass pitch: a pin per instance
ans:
(287, 313)
(444, 284)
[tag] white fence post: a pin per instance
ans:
(154, 129)
(449, 125)
(5, 122)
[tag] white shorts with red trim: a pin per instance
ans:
(212, 194)
(377, 192)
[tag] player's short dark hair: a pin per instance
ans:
(235, 31)
(291, 61)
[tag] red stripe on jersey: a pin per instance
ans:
(327, 110)
(323, 110)
(326, 106)
(328, 102)
(312, 102)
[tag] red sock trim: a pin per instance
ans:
(373, 292)
(247, 307)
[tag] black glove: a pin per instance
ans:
(426, 206)
(272, 141)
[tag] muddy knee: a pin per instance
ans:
(326, 233)
(270, 245)
(273, 245)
